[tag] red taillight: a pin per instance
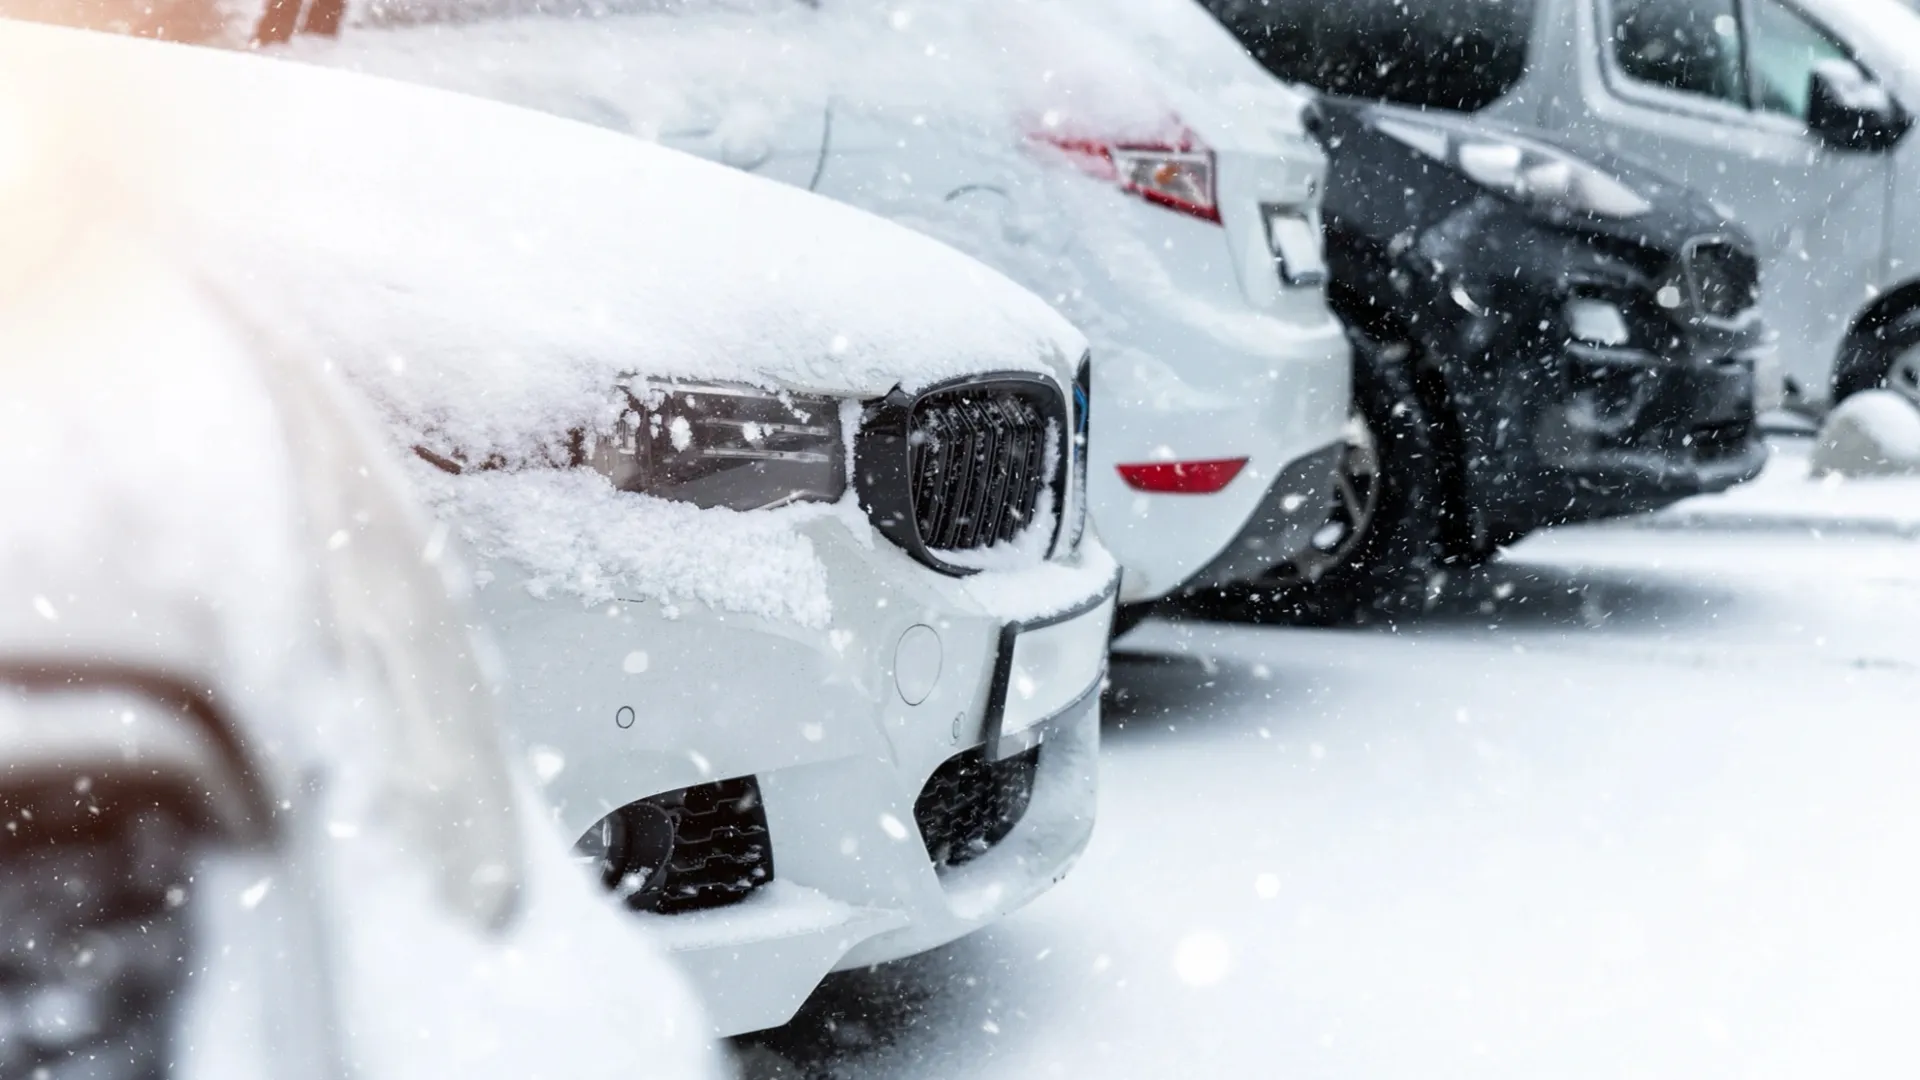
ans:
(1183, 477)
(1178, 174)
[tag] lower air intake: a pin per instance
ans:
(722, 850)
(971, 804)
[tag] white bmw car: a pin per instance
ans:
(1125, 160)
(260, 820)
(778, 507)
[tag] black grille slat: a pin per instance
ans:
(980, 459)
(951, 490)
(947, 444)
(976, 466)
(970, 804)
(1000, 467)
(947, 491)
(1015, 479)
(1034, 474)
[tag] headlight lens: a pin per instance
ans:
(1596, 322)
(1524, 171)
(730, 446)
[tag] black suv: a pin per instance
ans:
(1539, 337)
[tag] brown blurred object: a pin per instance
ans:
(201, 21)
(284, 18)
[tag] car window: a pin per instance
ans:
(1785, 49)
(1692, 46)
(1447, 54)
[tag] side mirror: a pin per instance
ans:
(1847, 110)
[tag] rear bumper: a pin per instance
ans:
(1296, 506)
(1208, 399)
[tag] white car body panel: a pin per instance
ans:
(1200, 351)
(211, 510)
(654, 645)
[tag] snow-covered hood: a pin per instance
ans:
(513, 267)
(1125, 70)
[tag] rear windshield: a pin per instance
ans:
(1446, 54)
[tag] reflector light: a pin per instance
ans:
(1183, 477)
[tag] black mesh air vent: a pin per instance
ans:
(971, 804)
(721, 848)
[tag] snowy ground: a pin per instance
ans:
(1636, 801)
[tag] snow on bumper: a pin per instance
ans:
(842, 729)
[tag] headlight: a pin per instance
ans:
(725, 446)
(1524, 171)
(1596, 322)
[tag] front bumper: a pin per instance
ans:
(635, 699)
(1552, 429)
(1635, 430)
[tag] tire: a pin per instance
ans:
(1383, 546)
(96, 937)
(1886, 358)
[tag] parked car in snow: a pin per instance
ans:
(1539, 338)
(259, 820)
(1125, 161)
(1792, 114)
(792, 582)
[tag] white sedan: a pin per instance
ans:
(1125, 160)
(805, 635)
(260, 821)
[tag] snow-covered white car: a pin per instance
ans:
(1125, 160)
(790, 580)
(259, 819)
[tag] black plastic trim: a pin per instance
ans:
(195, 702)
